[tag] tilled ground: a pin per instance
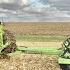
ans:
(35, 61)
(30, 62)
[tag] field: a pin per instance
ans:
(41, 31)
(40, 28)
(36, 35)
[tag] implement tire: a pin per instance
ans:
(65, 66)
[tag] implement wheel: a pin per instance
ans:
(65, 66)
(8, 37)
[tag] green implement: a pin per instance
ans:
(40, 50)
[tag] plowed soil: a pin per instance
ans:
(30, 62)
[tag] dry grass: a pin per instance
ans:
(39, 28)
(39, 44)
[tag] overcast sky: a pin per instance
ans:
(35, 10)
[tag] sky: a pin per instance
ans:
(34, 10)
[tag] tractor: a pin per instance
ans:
(8, 47)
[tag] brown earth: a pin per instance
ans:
(30, 62)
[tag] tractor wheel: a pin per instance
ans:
(8, 37)
(65, 66)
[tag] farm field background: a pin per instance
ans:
(33, 34)
(41, 31)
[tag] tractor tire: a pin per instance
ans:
(9, 37)
(65, 66)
